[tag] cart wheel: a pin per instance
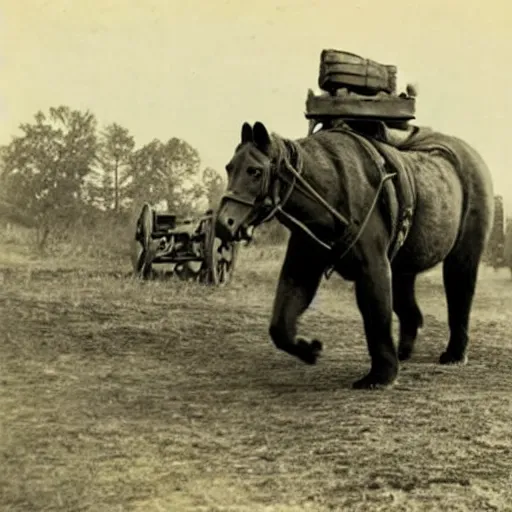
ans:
(220, 257)
(145, 225)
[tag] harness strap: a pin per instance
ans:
(406, 194)
(297, 176)
(353, 231)
(405, 188)
(351, 236)
(330, 269)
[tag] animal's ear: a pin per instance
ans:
(261, 136)
(247, 135)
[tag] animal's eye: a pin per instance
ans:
(254, 172)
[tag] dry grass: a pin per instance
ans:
(163, 396)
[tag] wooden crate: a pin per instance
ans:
(339, 69)
(349, 105)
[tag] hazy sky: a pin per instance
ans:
(198, 69)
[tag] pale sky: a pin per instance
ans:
(197, 69)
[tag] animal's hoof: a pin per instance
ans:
(449, 358)
(308, 351)
(404, 353)
(374, 381)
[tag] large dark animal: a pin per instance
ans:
(375, 214)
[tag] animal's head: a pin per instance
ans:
(246, 200)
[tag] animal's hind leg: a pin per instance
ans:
(408, 312)
(298, 283)
(460, 272)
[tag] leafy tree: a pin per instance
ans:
(166, 173)
(181, 174)
(114, 155)
(214, 187)
(45, 168)
(145, 182)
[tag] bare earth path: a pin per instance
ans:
(117, 395)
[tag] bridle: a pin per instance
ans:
(269, 203)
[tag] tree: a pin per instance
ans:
(144, 175)
(214, 187)
(166, 173)
(9, 212)
(45, 168)
(114, 154)
(181, 175)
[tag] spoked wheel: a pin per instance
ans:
(143, 263)
(220, 257)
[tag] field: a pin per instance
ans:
(117, 395)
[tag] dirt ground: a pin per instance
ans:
(119, 395)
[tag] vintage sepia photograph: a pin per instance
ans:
(255, 256)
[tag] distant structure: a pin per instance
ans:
(495, 256)
(507, 254)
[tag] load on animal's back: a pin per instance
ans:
(359, 92)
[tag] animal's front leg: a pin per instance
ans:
(298, 283)
(374, 299)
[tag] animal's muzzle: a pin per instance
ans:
(226, 228)
(232, 220)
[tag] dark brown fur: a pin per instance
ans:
(451, 224)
